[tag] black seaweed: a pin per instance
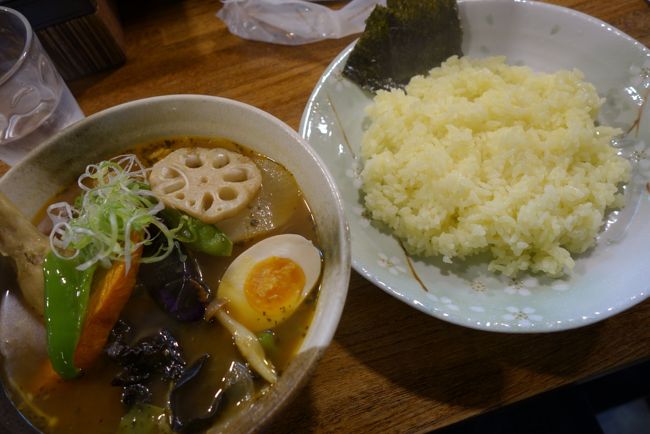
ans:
(135, 394)
(404, 39)
(176, 284)
(193, 424)
(158, 354)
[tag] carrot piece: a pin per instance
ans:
(106, 304)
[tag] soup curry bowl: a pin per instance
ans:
(56, 164)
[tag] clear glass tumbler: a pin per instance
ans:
(34, 100)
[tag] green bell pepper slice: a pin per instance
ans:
(197, 235)
(66, 299)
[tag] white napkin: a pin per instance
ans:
(294, 22)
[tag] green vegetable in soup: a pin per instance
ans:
(66, 299)
(267, 339)
(144, 419)
(197, 235)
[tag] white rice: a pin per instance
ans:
(482, 156)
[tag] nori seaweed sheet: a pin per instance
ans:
(404, 39)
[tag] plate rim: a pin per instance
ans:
(497, 327)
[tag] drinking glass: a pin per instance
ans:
(34, 101)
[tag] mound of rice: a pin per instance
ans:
(482, 156)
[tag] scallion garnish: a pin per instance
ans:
(111, 219)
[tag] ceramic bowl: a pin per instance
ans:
(59, 161)
(610, 278)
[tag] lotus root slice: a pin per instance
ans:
(209, 184)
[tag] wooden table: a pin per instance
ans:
(389, 368)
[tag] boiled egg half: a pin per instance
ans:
(265, 284)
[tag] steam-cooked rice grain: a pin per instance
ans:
(483, 156)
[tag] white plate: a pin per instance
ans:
(611, 278)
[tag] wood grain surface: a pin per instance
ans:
(389, 368)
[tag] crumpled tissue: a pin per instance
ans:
(294, 22)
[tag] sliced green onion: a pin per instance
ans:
(109, 221)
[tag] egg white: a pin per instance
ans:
(231, 289)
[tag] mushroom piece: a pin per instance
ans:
(209, 184)
(247, 343)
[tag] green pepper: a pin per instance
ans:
(267, 340)
(197, 235)
(66, 300)
(144, 419)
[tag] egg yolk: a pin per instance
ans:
(273, 283)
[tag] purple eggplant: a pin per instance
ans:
(176, 284)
